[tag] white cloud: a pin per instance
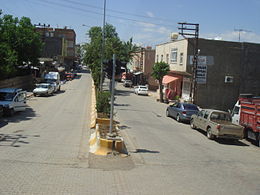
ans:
(234, 36)
(150, 14)
(146, 25)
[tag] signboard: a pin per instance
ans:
(203, 60)
(201, 76)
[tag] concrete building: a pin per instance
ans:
(142, 64)
(225, 70)
(59, 44)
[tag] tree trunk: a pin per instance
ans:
(161, 90)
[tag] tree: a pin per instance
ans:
(113, 45)
(160, 69)
(19, 44)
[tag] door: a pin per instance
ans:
(20, 102)
(198, 122)
(204, 120)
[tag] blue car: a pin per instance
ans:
(182, 111)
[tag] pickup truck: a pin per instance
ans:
(217, 124)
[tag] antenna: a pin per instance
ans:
(239, 31)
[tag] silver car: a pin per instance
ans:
(181, 111)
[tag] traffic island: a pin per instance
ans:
(103, 143)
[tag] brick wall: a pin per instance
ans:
(24, 82)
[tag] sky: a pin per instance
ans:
(148, 22)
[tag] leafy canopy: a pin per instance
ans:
(19, 44)
(160, 69)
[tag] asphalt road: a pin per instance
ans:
(45, 151)
(174, 159)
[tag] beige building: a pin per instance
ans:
(178, 81)
(142, 64)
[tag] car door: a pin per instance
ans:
(198, 121)
(20, 101)
(173, 110)
(204, 120)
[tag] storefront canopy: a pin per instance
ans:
(168, 79)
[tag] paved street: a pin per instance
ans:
(45, 151)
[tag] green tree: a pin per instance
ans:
(160, 69)
(19, 44)
(113, 45)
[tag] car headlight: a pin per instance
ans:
(6, 105)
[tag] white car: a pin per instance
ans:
(141, 90)
(12, 100)
(43, 89)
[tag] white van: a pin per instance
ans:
(12, 100)
(54, 79)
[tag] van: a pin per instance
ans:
(54, 79)
(12, 100)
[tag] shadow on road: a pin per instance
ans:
(225, 141)
(145, 151)
(14, 140)
(28, 114)
(123, 92)
(115, 104)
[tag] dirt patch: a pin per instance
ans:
(111, 162)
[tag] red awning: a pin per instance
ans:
(168, 79)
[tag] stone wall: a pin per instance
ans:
(24, 82)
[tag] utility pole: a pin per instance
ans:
(112, 96)
(190, 30)
(102, 47)
(239, 31)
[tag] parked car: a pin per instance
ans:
(141, 90)
(43, 89)
(128, 83)
(217, 124)
(12, 100)
(182, 111)
(54, 79)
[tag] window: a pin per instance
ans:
(174, 55)
(167, 58)
(157, 58)
(206, 115)
(161, 58)
(181, 58)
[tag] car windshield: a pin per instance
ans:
(190, 107)
(50, 80)
(43, 86)
(143, 87)
(4, 96)
(220, 116)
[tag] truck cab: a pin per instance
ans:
(54, 79)
(235, 113)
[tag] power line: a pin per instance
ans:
(97, 13)
(117, 11)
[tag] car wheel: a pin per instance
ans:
(178, 118)
(167, 113)
(11, 112)
(209, 134)
(35, 94)
(192, 125)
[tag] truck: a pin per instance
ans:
(217, 124)
(246, 112)
(54, 79)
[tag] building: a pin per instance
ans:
(142, 64)
(225, 70)
(59, 45)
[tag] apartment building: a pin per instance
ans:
(225, 70)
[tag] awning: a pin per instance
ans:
(168, 79)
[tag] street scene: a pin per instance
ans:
(139, 97)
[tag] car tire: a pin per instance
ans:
(34, 94)
(192, 125)
(209, 134)
(178, 119)
(11, 112)
(167, 113)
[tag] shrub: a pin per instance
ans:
(103, 105)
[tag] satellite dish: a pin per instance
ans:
(174, 36)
